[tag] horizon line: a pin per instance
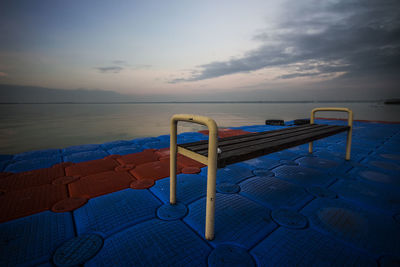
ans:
(203, 102)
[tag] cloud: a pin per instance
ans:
(120, 62)
(118, 65)
(141, 66)
(110, 69)
(319, 38)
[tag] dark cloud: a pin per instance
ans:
(119, 65)
(110, 69)
(319, 38)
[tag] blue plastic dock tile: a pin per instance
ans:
(156, 145)
(153, 243)
(32, 240)
(389, 261)
(329, 165)
(367, 194)
(289, 218)
(164, 137)
(285, 154)
(378, 177)
(78, 250)
(4, 157)
(189, 187)
(228, 188)
(238, 220)
(110, 213)
(383, 166)
(192, 135)
(390, 156)
(3, 164)
(259, 128)
(110, 145)
(234, 173)
(329, 154)
(141, 141)
(389, 148)
(263, 172)
(48, 153)
(85, 156)
(288, 247)
(274, 193)
(45, 264)
(168, 212)
(318, 191)
(81, 148)
(302, 149)
(263, 162)
(372, 231)
(228, 255)
(185, 140)
(5, 160)
(124, 150)
(303, 176)
(355, 150)
(32, 164)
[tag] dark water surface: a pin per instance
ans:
(25, 127)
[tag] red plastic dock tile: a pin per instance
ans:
(145, 156)
(163, 152)
(91, 167)
(191, 170)
(28, 179)
(125, 168)
(99, 184)
(182, 161)
(29, 201)
(68, 204)
(152, 170)
(65, 180)
(5, 174)
(142, 184)
(188, 162)
(226, 132)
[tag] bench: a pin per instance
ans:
(218, 153)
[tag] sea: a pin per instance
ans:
(28, 127)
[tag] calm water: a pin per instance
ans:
(25, 127)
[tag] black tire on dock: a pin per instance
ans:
(301, 121)
(274, 122)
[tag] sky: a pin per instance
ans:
(239, 50)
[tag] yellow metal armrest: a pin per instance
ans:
(210, 161)
(349, 122)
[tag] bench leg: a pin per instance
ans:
(172, 164)
(348, 143)
(210, 205)
(310, 147)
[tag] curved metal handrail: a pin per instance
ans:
(349, 123)
(211, 162)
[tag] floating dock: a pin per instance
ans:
(108, 204)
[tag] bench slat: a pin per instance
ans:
(246, 137)
(242, 141)
(243, 147)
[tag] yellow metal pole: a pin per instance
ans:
(211, 162)
(310, 145)
(172, 162)
(211, 179)
(349, 123)
(349, 135)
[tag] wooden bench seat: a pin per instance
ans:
(219, 153)
(243, 147)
